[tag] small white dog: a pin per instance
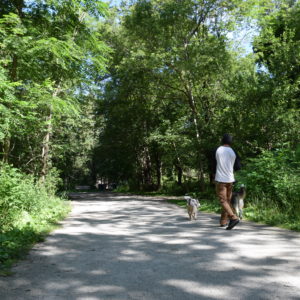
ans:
(192, 207)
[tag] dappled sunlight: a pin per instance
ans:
(100, 288)
(181, 241)
(134, 249)
(133, 255)
(196, 288)
(98, 272)
(58, 285)
(202, 247)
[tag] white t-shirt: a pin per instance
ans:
(225, 157)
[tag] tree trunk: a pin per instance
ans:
(179, 175)
(19, 5)
(46, 147)
(6, 149)
(178, 166)
(194, 113)
(192, 105)
(191, 100)
(201, 178)
(146, 167)
(158, 173)
(46, 141)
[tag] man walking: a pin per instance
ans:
(227, 161)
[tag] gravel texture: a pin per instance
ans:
(114, 246)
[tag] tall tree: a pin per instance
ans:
(181, 47)
(277, 48)
(50, 50)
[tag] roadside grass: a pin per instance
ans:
(272, 215)
(29, 230)
(255, 209)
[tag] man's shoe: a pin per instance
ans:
(223, 225)
(232, 223)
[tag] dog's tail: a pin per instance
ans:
(243, 191)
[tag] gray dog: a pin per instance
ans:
(192, 207)
(237, 201)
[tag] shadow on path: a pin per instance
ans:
(133, 247)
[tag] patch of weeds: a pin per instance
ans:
(181, 203)
(16, 242)
(271, 215)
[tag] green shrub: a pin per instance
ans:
(273, 179)
(28, 210)
(173, 188)
(122, 189)
(17, 194)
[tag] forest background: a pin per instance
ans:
(139, 95)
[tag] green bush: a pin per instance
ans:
(21, 196)
(17, 194)
(122, 189)
(272, 179)
(173, 188)
(28, 210)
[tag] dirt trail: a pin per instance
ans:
(133, 247)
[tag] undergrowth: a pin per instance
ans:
(29, 210)
(254, 210)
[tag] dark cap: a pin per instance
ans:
(227, 139)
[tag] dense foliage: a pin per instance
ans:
(140, 96)
(28, 210)
(177, 84)
(143, 95)
(51, 56)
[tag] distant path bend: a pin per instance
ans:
(121, 247)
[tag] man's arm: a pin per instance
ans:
(237, 164)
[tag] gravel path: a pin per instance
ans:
(132, 247)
